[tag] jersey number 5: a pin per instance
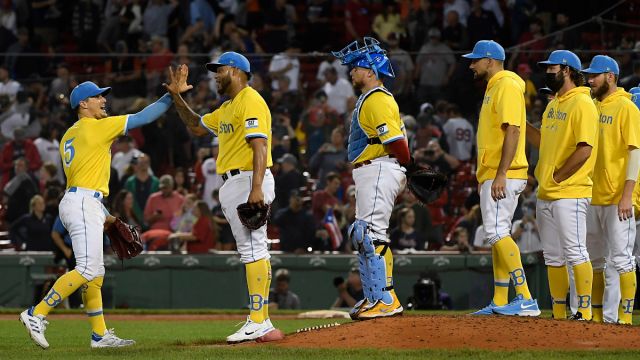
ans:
(69, 152)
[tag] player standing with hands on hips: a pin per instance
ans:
(502, 174)
(378, 149)
(86, 156)
(243, 127)
(611, 229)
(568, 140)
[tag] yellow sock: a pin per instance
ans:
(509, 255)
(627, 298)
(597, 293)
(66, 285)
(558, 286)
(265, 303)
(388, 262)
(92, 300)
(257, 277)
(583, 275)
(500, 280)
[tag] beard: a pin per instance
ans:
(553, 81)
(600, 91)
(480, 76)
(223, 85)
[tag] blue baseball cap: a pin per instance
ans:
(562, 57)
(86, 90)
(231, 58)
(486, 49)
(602, 64)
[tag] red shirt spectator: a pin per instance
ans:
(324, 199)
(19, 148)
(205, 236)
(162, 205)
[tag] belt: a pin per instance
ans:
(230, 173)
(368, 162)
(95, 194)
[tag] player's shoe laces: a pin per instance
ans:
(36, 325)
(359, 307)
(519, 306)
(250, 331)
(380, 309)
(487, 310)
(109, 340)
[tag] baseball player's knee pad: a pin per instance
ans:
(358, 231)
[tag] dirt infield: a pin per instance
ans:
(460, 332)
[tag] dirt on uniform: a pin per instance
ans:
(469, 332)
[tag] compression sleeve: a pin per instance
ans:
(400, 149)
(633, 165)
(150, 113)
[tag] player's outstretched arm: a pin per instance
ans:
(177, 86)
(150, 113)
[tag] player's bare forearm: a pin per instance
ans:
(573, 163)
(188, 116)
(625, 206)
(509, 147)
(533, 135)
(259, 147)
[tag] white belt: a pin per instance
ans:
(86, 192)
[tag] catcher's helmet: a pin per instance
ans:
(368, 55)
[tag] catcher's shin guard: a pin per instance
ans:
(373, 272)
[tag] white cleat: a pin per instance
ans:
(109, 340)
(250, 331)
(36, 325)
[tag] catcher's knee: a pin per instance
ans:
(362, 242)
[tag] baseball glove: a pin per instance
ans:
(426, 184)
(125, 239)
(253, 218)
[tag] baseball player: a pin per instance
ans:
(378, 149)
(502, 174)
(243, 127)
(86, 157)
(611, 229)
(568, 146)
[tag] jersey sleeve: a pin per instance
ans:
(210, 121)
(255, 119)
(631, 125)
(379, 117)
(109, 128)
(509, 103)
(585, 123)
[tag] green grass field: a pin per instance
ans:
(69, 339)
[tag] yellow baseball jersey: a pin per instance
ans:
(568, 120)
(379, 117)
(86, 151)
(237, 121)
(503, 103)
(619, 124)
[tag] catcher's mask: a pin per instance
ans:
(368, 55)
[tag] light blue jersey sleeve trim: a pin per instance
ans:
(256, 135)
(393, 139)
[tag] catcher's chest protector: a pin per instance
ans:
(357, 136)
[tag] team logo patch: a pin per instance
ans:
(382, 129)
(251, 123)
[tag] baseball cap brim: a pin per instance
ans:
(472, 56)
(544, 64)
(213, 67)
(593, 71)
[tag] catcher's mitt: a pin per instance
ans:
(253, 218)
(125, 239)
(425, 183)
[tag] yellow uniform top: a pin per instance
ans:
(619, 129)
(379, 117)
(237, 121)
(503, 104)
(86, 151)
(568, 120)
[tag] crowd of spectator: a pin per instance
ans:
(164, 180)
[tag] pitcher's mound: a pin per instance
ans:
(472, 332)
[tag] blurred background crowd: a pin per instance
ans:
(164, 179)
